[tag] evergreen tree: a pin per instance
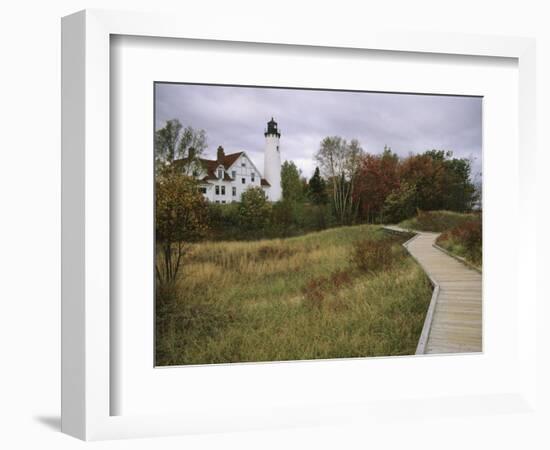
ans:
(317, 188)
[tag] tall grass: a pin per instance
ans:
(289, 299)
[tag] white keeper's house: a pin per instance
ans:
(224, 179)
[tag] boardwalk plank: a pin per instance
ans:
(457, 318)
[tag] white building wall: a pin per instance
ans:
(272, 166)
(209, 194)
(242, 168)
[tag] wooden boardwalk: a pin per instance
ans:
(453, 322)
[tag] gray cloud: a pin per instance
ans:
(235, 117)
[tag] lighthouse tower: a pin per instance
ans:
(272, 160)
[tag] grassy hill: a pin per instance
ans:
(342, 292)
(437, 221)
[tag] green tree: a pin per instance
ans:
(291, 182)
(181, 217)
(460, 190)
(339, 161)
(317, 188)
(477, 198)
(400, 204)
(173, 142)
(254, 209)
(442, 182)
(283, 217)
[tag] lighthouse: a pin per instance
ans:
(272, 160)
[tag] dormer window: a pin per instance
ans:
(220, 173)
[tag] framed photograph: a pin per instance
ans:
(268, 231)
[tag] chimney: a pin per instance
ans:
(221, 155)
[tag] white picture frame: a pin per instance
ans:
(86, 326)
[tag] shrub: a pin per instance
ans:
(314, 217)
(274, 252)
(224, 221)
(469, 233)
(181, 217)
(340, 278)
(292, 219)
(316, 289)
(283, 218)
(254, 209)
(314, 292)
(375, 255)
(464, 240)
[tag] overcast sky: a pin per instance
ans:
(235, 118)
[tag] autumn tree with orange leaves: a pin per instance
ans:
(378, 176)
(432, 180)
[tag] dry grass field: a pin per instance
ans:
(343, 292)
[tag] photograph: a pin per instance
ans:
(303, 224)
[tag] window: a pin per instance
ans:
(233, 174)
(223, 201)
(195, 173)
(243, 164)
(243, 180)
(223, 190)
(217, 190)
(277, 148)
(234, 191)
(202, 190)
(252, 177)
(220, 173)
(217, 201)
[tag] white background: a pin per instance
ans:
(29, 289)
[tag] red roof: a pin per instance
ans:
(230, 159)
(211, 165)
